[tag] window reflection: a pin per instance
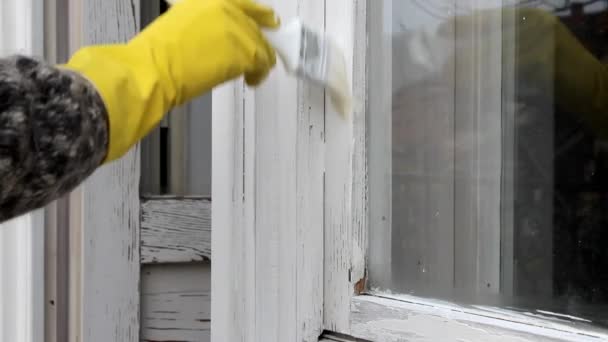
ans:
(496, 119)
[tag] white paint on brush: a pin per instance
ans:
(345, 174)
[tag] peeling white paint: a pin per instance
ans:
(267, 216)
(175, 230)
(345, 213)
(107, 283)
(176, 302)
(395, 318)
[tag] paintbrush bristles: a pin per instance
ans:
(337, 82)
(312, 56)
(323, 62)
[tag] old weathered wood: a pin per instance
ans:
(402, 318)
(175, 230)
(109, 217)
(345, 173)
(310, 173)
(268, 164)
(228, 317)
(176, 303)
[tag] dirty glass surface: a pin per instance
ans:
(488, 153)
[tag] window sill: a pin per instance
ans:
(382, 317)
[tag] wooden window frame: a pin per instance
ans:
(284, 199)
(287, 268)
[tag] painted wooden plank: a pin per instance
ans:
(109, 217)
(231, 304)
(111, 253)
(176, 303)
(289, 144)
(22, 239)
(310, 173)
(175, 230)
(345, 213)
(399, 318)
(268, 204)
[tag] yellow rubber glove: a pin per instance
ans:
(194, 46)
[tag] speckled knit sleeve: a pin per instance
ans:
(53, 133)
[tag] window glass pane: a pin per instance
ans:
(488, 152)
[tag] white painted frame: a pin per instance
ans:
(104, 220)
(291, 220)
(378, 316)
(22, 239)
(267, 242)
(282, 165)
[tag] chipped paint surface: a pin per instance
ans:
(175, 230)
(391, 318)
(176, 303)
(289, 241)
(268, 167)
(109, 265)
(266, 217)
(346, 174)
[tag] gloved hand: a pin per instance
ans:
(194, 46)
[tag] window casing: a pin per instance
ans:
(302, 191)
(470, 133)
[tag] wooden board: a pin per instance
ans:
(268, 164)
(403, 318)
(176, 303)
(175, 230)
(107, 286)
(345, 211)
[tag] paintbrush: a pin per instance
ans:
(314, 57)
